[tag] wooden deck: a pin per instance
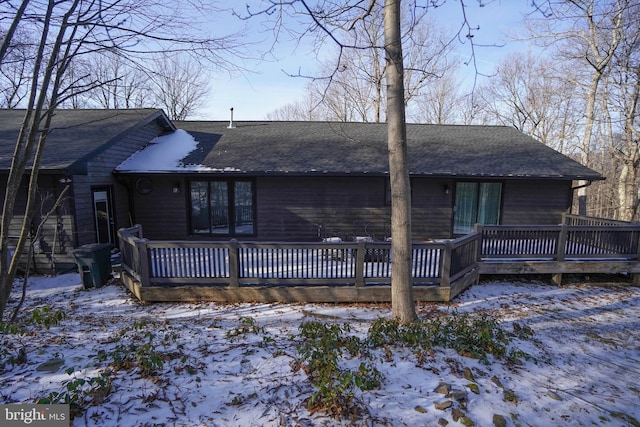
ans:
(361, 271)
(579, 245)
(290, 272)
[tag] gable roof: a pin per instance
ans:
(76, 135)
(297, 148)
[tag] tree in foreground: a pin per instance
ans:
(336, 22)
(402, 302)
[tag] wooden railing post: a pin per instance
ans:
(478, 257)
(478, 229)
(445, 266)
(556, 278)
(143, 262)
(635, 278)
(562, 243)
(234, 264)
(361, 252)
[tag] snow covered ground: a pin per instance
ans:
(206, 364)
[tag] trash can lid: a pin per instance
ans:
(92, 247)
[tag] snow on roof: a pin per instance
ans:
(163, 154)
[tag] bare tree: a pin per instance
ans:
(589, 32)
(531, 94)
(623, 96)
(31, 138)
(175, 82)
(301, 110)
(67, 32)
(179, 85)
(121, 84)
(402, 303)
(14, 73)
(354, 89)
(441, 102)
(337, 22)
(331, 21)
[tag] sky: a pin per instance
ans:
(267, 86)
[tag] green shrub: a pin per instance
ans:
(321, 350)
(471, 335)
(79, 393)
(143, 349)
(46, 317)
(247, 326)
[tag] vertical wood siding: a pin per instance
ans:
(163, 213)
(310, 208)
(57, 238)
(535, 201)
(99, 172)
(432, 207)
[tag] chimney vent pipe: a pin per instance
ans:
(231, 124)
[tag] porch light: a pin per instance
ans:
(176, 188)
(446, 189)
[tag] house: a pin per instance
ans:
(82, 150)
(281, 181)
(303, 181)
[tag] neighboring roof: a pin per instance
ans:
(76, 135)
(301, 148)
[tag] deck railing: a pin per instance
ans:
(361, 271)
(130, 243)
(571, 219)
(237, 263)
(560, 242)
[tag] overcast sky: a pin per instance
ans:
(254, 94)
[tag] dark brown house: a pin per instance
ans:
(279, 181)
(303, 181)
(82, 150)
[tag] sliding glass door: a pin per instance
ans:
(476, 202)
(222, 207)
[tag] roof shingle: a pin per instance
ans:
(361, 148)
(76, 135)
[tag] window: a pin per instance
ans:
(222, 207)
(476, 203)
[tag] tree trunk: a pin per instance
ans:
(586, 140)
(627, 183)
(8, 38)
(22, 154)
(401, 280)
(627, 191)
(599, 53)
(30, 143)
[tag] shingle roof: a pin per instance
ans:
(359, 148)
(77, 135)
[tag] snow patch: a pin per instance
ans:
(586, 348)
(163, 154)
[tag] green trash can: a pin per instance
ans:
(94, 264)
